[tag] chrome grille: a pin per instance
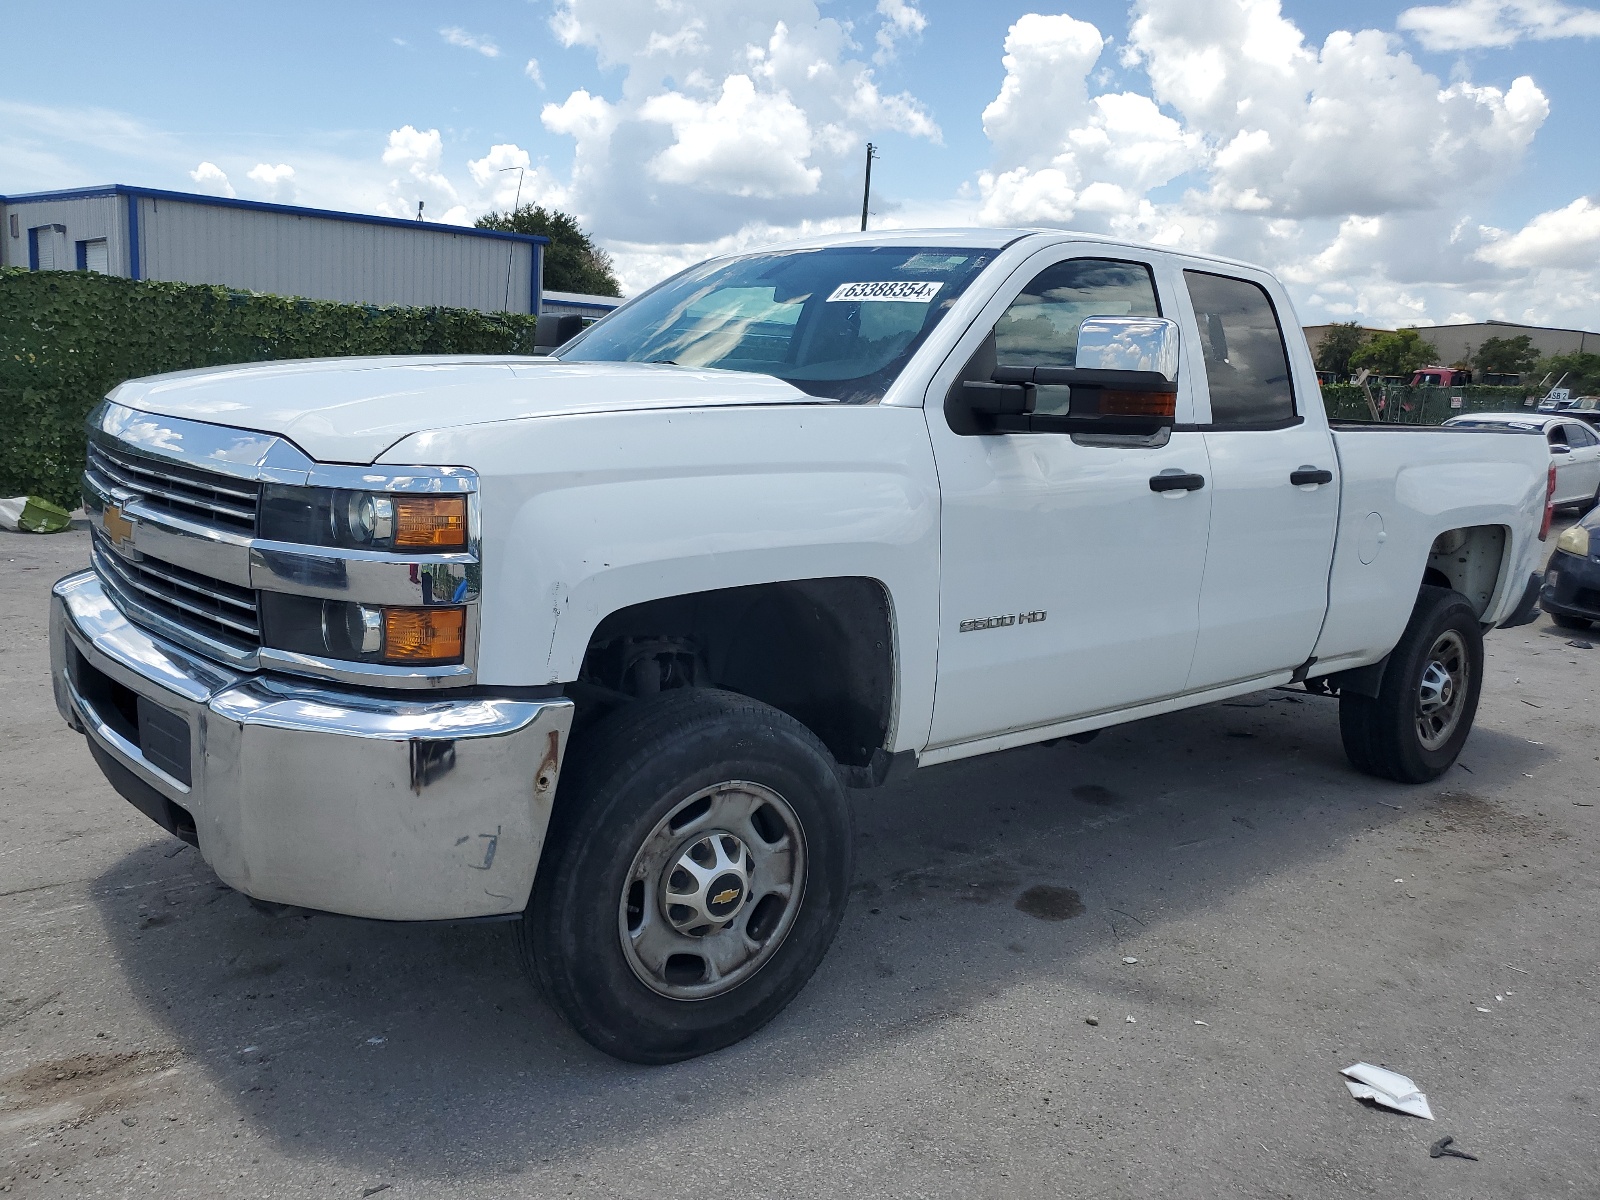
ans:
(220, 501)
(211, 607)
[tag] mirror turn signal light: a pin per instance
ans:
(422, 636)
(1117, 403)
(434, 522)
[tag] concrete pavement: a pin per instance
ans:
(1289, 917)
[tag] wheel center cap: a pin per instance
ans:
(708, 884)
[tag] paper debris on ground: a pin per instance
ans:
(1388, 1088)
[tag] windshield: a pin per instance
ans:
(838, 322)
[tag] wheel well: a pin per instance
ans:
(820, 650)
(1470, 561)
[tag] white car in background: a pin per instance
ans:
(1574, 451)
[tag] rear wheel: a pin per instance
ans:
(693, 878)
(1415, 727)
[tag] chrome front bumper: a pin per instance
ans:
(398, 808)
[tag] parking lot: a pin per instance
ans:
(1288, 916)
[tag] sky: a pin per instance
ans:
(1393, 163)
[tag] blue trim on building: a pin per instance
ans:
(33, 249)
(122, 189)
(135, 270)
(535, 274)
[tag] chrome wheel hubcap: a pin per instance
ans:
(1443, 690)
(713, 891)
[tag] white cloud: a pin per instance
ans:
(276, 182)
(532, 71)
(1061, 151)
(1491, 24)
(1346, 167)
(901, 20)
(457, 36)
(417, 154)
(212, 179)
(1565, 238)
(730, 114)
(1294, 125)
(744, 143)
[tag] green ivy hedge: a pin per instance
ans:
(69, 337)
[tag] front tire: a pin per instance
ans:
(1414, 728)
(694, 875)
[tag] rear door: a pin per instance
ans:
(1274, 484)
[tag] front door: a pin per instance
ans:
(1275, 490)
(1067, 585)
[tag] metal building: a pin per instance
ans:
(590, 308)
(142, 233)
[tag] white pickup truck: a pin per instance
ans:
(601, 640)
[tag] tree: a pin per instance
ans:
(1505, 356)
(1582, 372)
(1397, 353)
(572, 262)
(1337, 345)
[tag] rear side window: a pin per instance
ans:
(1247, 368)
(1579, 438)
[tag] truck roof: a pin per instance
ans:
(983, 238)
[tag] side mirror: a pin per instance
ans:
(1560, 449)
(1143, 344)
(1124, 383)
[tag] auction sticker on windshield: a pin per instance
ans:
(906, 291)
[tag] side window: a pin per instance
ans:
(1040, 328)
(1247, 367)
(1556, 435)
(1580, 438)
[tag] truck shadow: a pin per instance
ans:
(423, 1050)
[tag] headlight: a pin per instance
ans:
(363, 520)
(365, 633)
(1574, 541)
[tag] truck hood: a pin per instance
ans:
(350, 410)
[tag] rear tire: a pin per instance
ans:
(1566, 622)
(695, 872)
(1414, 728)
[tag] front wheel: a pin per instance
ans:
(1414, 728)
(694, 875)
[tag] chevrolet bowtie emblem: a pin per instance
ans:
(117, 526)
(726, 896)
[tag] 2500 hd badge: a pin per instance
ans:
(1027, 618)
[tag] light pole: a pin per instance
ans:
(515, 204)
(866, 189)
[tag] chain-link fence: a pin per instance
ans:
(1401, 405)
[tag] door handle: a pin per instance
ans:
(1177, 482)
(1307, 475)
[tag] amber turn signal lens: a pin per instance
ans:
(1137, 404)
(434, 521)
(424, 635)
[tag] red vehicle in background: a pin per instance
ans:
(1440, 377)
